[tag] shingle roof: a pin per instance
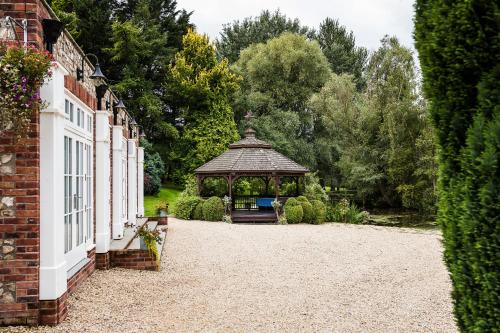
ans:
(251, 155)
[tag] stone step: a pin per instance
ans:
(135, 244)
(128, 236)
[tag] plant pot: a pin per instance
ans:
(162, 220)
(143, 245)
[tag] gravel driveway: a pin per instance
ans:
(219, 277)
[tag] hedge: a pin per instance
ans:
(185, 206)
(307, 208)
(293, 211)
(213, 209)
(459, 51)
(319, 209)
(198, 211)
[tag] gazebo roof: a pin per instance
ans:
(252, 156)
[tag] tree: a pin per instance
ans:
(201, 85)
(339, 47)
(459, 53)
(366, 141)
(279, 77)
(237, 35)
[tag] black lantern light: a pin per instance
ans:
(51, 31)
(96, 76)
(100, 91)
(117, 107)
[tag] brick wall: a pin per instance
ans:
(134, 259)
(19, 227)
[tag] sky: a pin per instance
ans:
(370, 20)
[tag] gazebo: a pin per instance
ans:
(251, 157)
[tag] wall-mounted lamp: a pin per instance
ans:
(117, 107)
(100, 91)
(96, 76)
(132, 124)
(142, 135)
(51, 31)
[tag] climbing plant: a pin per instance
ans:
(22, 72)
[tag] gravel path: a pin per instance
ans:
(218, 277)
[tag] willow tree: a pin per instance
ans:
(459, 52)
(201, 86)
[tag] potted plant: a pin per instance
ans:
(162, 208)
(148, 240)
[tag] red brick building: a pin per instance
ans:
(69, 188)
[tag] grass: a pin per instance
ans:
(168, 192)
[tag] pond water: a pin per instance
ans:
(402, 219)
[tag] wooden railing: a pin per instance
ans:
(249, 202)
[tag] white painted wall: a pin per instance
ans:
(118, 151)
(132, 182)
(140, 181)
(103, 181)
(53, 278)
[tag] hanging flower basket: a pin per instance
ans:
(22, 72)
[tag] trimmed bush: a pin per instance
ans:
(198, 211)
(185, 206)
(213, 209)
(319, 210)
(307, 208)
(293, 211)
(458, 49)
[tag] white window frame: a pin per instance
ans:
(79, 234)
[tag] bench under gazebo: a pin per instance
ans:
(253, 158)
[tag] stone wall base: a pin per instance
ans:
(102, 261)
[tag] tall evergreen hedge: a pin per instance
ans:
(459, 50)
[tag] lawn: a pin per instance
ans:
(168, 193)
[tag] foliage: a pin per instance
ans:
(201, 85)
(346, 212)
(162, 206)
(21, 75)
(227, 201)
(185, 206)
(339, 47)
(150, 238)
(278, 79)
(307, 209)
(282, 219)
(213, 209)
(459, 54)
(154, 169)
(237, 35)
(277, 208)
(293, 211)
(198, 211)
(314, 190)
(190, 186)
(167, 193)
(319, 209)
(367, 141)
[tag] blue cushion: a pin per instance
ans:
(265, 202)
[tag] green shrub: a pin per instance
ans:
(198, 211)
(291, 202)
(319, 209)
(294, 214)
(293, 211)
(185, 206)
(307, 208)
(345, 212)
(213, 209)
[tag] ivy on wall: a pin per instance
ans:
(22, 72)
